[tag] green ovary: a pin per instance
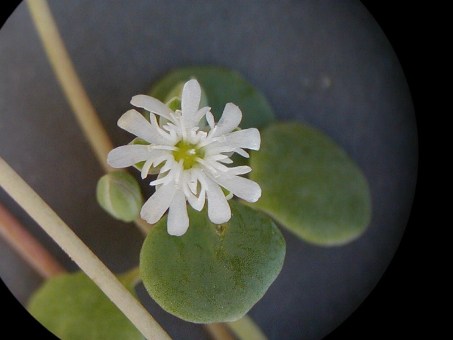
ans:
(188, 153)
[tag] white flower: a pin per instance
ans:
(191, 162)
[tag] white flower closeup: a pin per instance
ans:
(190, 161)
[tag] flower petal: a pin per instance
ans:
(247, 139)
(191, 189)
(231, 117)
(178, 220)
(152, 105)
(127, 155)
(218, 208)
(195, 119)
(202, 112)
(210, 119)
(191, 96)
(158, 203)
(239, 170)
(241, 187)
(133, 121)
(145, 168)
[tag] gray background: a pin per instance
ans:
(326, 63)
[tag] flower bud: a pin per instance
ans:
(119, 194)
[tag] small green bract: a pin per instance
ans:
(118, 193)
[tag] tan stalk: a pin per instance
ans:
(70, 82)
(246, 328)
(72, 87)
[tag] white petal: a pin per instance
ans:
(191, 189)
(197, 202)
(134, 122)
(178, 220)
(226, 161)
(239, 170)
(168, 165)
(242, 152)
(241, 187)
(158, 203)
(195, 119)
(189, 180)
(152, 105)
(191, 96)
(218, 208)
(231, 117)
(145, 168)
(246, 139)
(202, 112)
(161, 180)
(210, 119)
(127, 155)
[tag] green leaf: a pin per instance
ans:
(213, 273)
(221, 87)
(72, 307)
(310, 185)
(119, 194)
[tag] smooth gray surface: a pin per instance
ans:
(323, 63)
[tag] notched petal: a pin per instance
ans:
(246, 139)
(231, 117)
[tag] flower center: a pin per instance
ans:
(188, 153)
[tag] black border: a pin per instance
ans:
(17, 321)
(7, 8)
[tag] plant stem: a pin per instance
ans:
(27, 246)
(70, 82)
(218, 331)
(245, 328)
(54, 226)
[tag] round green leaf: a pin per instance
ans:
(213, 273)
(310, 185)
(119, 194)
(221, 87)
(72, 307)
